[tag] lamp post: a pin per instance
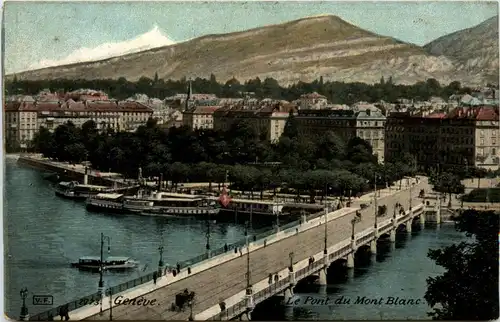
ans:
(353, 222)
(207, 235)
(24, 310)
(325, 249)
(249, 286)
(277, 213)
(101, 268)
(110, 293)
(410, 194)
(160, 262)
(375, 201)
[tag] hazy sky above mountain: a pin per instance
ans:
(43, 34)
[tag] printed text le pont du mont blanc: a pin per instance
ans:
(315, 300)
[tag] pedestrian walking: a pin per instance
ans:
(265, 242)
(225, 247)
(155, 276)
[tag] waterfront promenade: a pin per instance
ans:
(213, 284)
(76, 171)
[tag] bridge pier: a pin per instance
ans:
(287, 295)
(247, 316)
(392, 235)
(373, 246)
(422, 219)
(408, 226)
(350, 260)
(322, 277)
(438, 215)
(250, 304)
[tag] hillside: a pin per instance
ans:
(474, 49)
(298, 50)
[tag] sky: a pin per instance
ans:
(42, 34)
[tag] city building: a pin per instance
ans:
(466, 136)
(199, 117)
(487, 143)
(363, 121)
(24, 118)
(268, 118)
(85, 95)
(312, 101)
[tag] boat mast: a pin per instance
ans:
(101, 284)
(101, 269)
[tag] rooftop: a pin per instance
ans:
(203, 109)
(77, 106)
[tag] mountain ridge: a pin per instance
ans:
(473, 49)
(297, 50)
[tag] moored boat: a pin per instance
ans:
(111, 262)
(133, 204)
(170, 204)
(75, 190)
(247, 206)
(109, 202)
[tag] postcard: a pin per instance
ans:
(251, 160)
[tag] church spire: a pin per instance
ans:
(189, 94)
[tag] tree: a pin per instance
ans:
(291, 129)
(447, 183)
(468, 290)
(43, 142)
(479, 173)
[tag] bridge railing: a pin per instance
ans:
(274, 288)
(86, 300)
(73, 305)
(261, 295)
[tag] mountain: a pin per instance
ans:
(300, 50)
(151, 39)
(473, 50)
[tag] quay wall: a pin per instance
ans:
(65, 170)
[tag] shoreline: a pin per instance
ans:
(76, 172)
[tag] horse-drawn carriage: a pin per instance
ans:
(182, 299)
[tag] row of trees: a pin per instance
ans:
(336, 92)
(240, 155)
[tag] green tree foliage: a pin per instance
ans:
(446, 182)
(468, 290)
(291, 129)
(238, 156)
(336, 92)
